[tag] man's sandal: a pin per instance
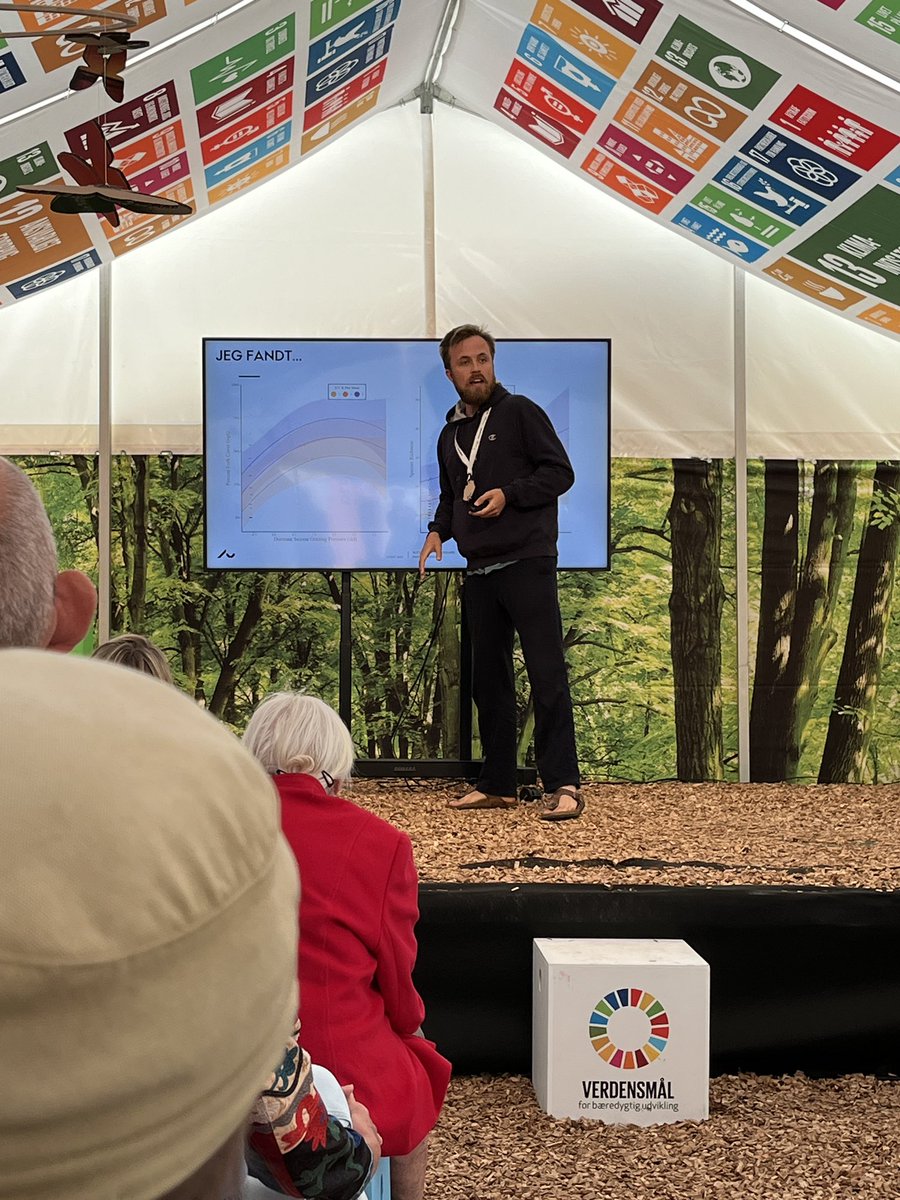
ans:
(475, 799)
(551, 810)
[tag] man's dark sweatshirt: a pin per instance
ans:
(519, 453)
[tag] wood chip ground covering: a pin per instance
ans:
(677, 834)
(789, 1138)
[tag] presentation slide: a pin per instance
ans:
(321, 454)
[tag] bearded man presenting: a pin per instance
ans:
(502, 470)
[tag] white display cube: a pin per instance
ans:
(621, 1030)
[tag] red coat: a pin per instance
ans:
(358, 1007)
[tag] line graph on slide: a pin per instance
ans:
(325, 459)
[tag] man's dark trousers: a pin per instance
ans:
(520, 598)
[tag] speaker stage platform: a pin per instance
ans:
(800, 979)
(791, 894)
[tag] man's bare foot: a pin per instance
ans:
(566, 804)
(477, 799)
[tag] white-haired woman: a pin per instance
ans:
(360, 1012)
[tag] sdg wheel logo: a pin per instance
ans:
(629, 1028)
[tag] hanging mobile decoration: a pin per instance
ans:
(99, 187)
(104, 58)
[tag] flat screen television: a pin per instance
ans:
(321, 453)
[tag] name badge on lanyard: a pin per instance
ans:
(468, 461)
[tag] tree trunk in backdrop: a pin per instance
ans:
(695, 608)
(174, 543)
(222, 700)
(445, 713)
(797, 601)
(137, 582)
(776, 612)
(850, 723)
(812, 636)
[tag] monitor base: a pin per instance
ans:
(428, 768)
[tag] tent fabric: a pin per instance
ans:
(33, 70)
(353, 265)
(204, 119)
(697, 113)
(711, 122)
(524, 237)
(50, 370)
(575, 264)
(867, 30)
(818, 386)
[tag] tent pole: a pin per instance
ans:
(104, 463)
(740, 504)
(429, 246)
(426, 93)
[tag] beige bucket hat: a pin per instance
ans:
(148, 932)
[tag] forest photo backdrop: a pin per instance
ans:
(652, 643)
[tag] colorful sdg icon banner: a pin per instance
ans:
(202, 121)
(705, 118)
(719, 126)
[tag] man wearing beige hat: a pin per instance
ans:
(148, 935)
(147, 927)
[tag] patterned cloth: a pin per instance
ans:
(295, 1147)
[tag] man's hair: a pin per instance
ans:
(460, 334)
(135, 651)
(27, 562)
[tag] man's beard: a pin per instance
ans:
(475, 394)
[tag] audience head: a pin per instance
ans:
(148, 937)
(39, 606)
(135, 651)
(300, 734)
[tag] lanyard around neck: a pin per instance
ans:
(468, 461)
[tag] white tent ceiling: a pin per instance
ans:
(358, 215)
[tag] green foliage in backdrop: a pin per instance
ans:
(651, 643)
